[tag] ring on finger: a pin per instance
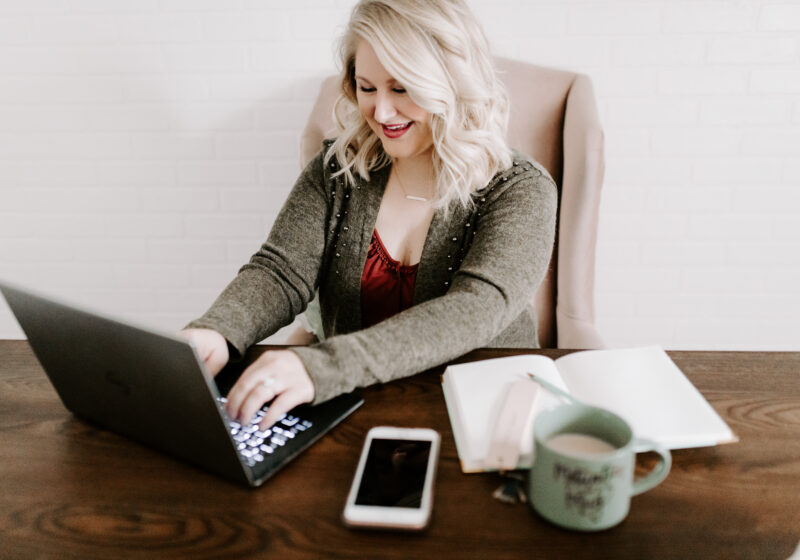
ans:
(269, 382)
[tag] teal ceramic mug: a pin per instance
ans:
(583, 470)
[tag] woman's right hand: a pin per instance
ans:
(211, 346)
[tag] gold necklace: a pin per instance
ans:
(408, 196)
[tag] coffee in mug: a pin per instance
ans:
(579, 444)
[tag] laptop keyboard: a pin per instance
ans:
(254, 444)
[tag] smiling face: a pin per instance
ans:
(402, 126)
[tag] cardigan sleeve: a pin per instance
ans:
(506, 261)
(279, 280)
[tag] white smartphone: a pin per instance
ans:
(393, 485)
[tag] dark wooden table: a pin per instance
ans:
(70, 490)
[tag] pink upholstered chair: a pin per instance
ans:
(553, 119)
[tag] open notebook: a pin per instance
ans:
(643, 385)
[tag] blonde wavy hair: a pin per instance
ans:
(437, 50)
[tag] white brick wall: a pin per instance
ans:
(146, 146)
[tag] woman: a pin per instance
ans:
(424, 233)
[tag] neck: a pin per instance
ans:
(421, 163)
(415, 177)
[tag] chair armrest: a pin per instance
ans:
(578, 218)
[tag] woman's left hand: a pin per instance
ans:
(276, 374)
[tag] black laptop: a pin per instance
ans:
(152, 387)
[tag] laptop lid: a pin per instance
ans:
(148, 386)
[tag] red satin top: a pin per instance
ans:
(387, 286)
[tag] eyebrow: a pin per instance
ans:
(362, 78)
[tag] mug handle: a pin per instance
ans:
(658, 474)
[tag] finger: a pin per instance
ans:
(238, 393)
(246, 382)
(282, 404)
(243, 393)
(258, 396)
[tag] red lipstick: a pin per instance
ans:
(395, 131)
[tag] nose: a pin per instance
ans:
(384, 108)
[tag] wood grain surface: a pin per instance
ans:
(71, 490)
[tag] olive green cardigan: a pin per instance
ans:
(479, 269)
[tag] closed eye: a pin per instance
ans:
(365, 89)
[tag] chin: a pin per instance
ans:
(405, 147)
(394, 152)
(400, 150)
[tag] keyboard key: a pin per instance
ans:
(255, 444)
(284, 433)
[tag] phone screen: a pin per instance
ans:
(394, 473)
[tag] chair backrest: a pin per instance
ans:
(553, 118)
